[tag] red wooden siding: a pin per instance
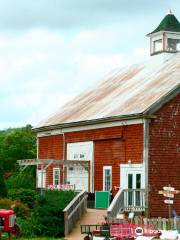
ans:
(112, 146)
(50, 147)
(164, 156)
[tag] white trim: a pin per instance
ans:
(55, 169)
(90, 127)
(49, 133)
(125, 168)
(107, 168)
(131, 165)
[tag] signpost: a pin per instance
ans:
(169, 193)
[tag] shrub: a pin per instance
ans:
(5, 203)
(28, 226)
(49, 212)
(22, 179)
(26, 196)
(20, 209)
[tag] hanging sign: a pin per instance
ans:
(64, 187)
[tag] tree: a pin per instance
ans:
(16, 144)
(3, 190)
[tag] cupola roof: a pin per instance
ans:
(169, 23)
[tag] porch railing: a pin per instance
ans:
(126, 200)
(74, 210)
(116, 205)
(134, 200)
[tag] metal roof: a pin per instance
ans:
(127, 91)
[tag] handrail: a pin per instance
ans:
(74, 210)
(116, 205)
(134, 199)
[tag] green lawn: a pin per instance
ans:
(42, 238)
(38, 238)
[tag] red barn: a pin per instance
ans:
(124, 132)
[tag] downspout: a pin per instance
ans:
(64, 151)
(37, 156)
(146, 165)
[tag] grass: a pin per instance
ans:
(5, 237)
(41, 238)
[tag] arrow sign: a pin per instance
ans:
(169, 192)
(168, 188)
(168, 201)
(169, 195)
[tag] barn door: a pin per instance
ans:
(78, 174)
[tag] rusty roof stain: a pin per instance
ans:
(130, 90)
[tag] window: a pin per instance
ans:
(107, 178)
(56, 176)
(173, 44)
(158, 45)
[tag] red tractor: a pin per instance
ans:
(7, 223)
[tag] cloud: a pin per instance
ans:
(52, 50)
(63, 14)
(40, 71)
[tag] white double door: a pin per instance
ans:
(77, 174)
(133, 181)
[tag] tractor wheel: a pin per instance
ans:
(16, 231)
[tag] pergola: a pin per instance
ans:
(45, 163)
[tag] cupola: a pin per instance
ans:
(166, 37)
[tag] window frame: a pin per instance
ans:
(54, 170)
(104, 177)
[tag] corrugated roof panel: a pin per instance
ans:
(127, 91)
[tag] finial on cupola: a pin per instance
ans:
(169, 11)
(166, 37)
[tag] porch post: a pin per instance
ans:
(89, 177)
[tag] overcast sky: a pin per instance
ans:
(51, 50)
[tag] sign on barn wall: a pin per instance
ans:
(61, 187)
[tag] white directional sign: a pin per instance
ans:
(169, 188)
(168, 201)
(169, 195)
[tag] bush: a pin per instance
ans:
(28, 226)
(5, 203)
(21, 209)
(22, 179)
(49, 212)
(26, 196)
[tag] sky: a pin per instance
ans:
(51, 50)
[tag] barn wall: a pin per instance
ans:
(112, 146)
(164, 156)
(50, 147)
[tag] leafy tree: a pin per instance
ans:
(16, 144)
(25, 179)
(3, 190)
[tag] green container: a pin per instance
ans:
(102, 199)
